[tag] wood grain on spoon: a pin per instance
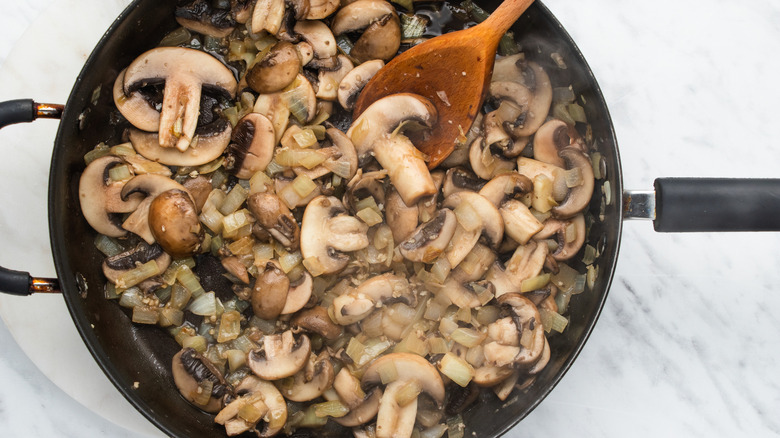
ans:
(453, 71)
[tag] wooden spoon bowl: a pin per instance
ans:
(453, 71)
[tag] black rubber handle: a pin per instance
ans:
(17, 111)
(717, 204)
(25, 111)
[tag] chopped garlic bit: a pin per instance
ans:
(136, 385)
(443, 96)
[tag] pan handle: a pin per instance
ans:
(24, 111)
(708, 204)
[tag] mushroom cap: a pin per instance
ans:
(269, 293)
(185, 72)
(353, 82)
(320, 36)
(299, 294)
(204, 148)
(430, 239)
(382, 118)
(483, 163)
(327, 232)
(189, 368)
(568, 244)
(408, 367)
(174, 221)
(359, 15)
(149, 185)
(380, 40)
(317, 320)
(276, 70)
(99, 196)
(282, 356)
(251, 147)
(273, 215)
(378, 290)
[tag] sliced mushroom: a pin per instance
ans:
(316, 320)
(205, 17)
(507, 349)
(327, 232)
(364, 412)
(281, 356)
(200, 188)
(363, 186)
(374, 132)
(328, 83)
(100, 197)
(569, 233)
(549, 140)
(526, 262)
(484, 163)
(353, 82)
(269, 293)
(116, 266)
(301, 99)
(251, 147)
(319, 9)
(206, 146)
(149, 185)
(274, 216)
(311, 381)
(299, 294)
(276, 70)
(322, 41)
(268, 15)
(192, 374)
(394, 420)
(174, 222)
(378, 24)
(464, 295)
(135, 107)
(491, 228)
(401, 218)
(274, 108)
(458, 179)
(578, 196)
(504, 191)
(267, 405)
(358, 303)
(532, 104)
(185, 72)
(430, 239)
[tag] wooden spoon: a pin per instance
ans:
(453, 71)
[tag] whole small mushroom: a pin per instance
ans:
(276, 70)
(174, 221)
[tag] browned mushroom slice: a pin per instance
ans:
(100, 197)
(327, 233)
(299, 294)
(135, 107)
(374, 132)
(173, 219)
(175, 66)
(430, 239)
(579, 195)
(484, 163)
(119, 268)
(458, 179)
(549, 140)
(353, 82)
(328, 80)
(393, 419)
(378, 290)
(378, 24)
(267, 15)
(256, 401)
(281, 356)
(149, 185)
(207, 146)
(569, 233)
(401, 218)
(206, 17)
(505, 192)
(311, 381)
(269, 293)
(484, 222)
(199, 381)
(322, 41)
(526, 262)
(316, 320)
(276, 70)
(274, 216)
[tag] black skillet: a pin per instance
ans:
(137, 358)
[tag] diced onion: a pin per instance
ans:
(204, 305)
(198, 343)
(468, 217)
(333, 408)
(145, 315)
(369, 216)
(234, 199)
(189, 280)
(553, 320)
(131, 298)
(170, 316)
(259, 183)
(138, 274)
(120, 173)
(229, 326)
(289, 260)
(457, 369)
(467, 337)
(535, 283)
(108, 245)
(408, 393)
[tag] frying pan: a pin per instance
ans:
(77, 262)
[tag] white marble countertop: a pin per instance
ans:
(687, 344)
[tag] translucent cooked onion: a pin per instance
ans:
(457, 369)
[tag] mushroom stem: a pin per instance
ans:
(406, 168)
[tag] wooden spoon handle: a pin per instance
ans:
(503, 18)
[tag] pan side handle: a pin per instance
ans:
(25, 111)
(716, 204)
